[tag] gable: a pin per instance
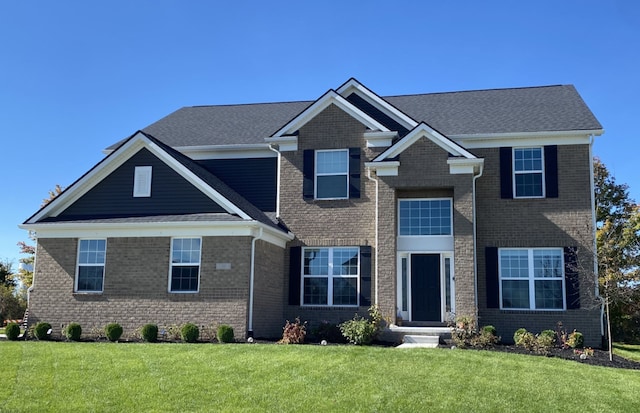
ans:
(113, 195)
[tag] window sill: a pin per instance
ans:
(530, 311)
(88, 292)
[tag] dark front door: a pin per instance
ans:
(425, 287)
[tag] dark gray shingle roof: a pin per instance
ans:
(530, 109)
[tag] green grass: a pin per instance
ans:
(116, 377)
(629, 351)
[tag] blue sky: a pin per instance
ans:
(77, 76)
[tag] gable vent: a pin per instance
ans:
(142, 182)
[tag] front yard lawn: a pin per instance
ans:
(58, 376)
(629, 351)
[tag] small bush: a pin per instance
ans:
(12, 331)
(113, 331)
(362, 331)
(224, 333)
(189, 333)
(575, 340)
(149, 333)
(465, 334)
(294, 333)
(73, 332)
(41, 330)
(329, 332)
(490, 330)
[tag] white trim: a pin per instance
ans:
(103, 265)
(378, 139)
(285, 143)
(465, 165)
(514, 173)
(331, 97)
(199, 152)
(157, 229)
(386, 168)
(353, 86)
(181, 264)
(496, 140)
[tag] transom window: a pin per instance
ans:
(532, 279)
(330, 276)
(425, 217)
(528, 172)
(90, 271)
(332, 174)
(185, 265)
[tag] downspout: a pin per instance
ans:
(595, 242)
(475, 241)
(271, 148)
(376, 225)
(251, 281)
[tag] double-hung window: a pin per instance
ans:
(332, 174)
(90, 271)
(330, 276)
(532, 279)
(425, 217)
(528, 173)
(185, 265)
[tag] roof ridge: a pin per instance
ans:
(478, 90)
(250, 104)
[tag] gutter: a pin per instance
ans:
(251, 281)
(475, 241)
(376, 226)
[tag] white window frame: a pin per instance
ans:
(316, 174)
(537, 171)
(184, 264)
(330, 276)
(427, 199)
(142, 181)
(532, 279)
(79, 264)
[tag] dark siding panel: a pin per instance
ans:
(113, 196)
(295, 271)
(376, 114)
(551, 171)
(506, 173)
(571, 278)
(365, 275)
(308, 171)
(354, 172)
(253, 178)
(493, 286)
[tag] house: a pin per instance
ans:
(475, 203)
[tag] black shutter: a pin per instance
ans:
(308, 171)
(295, 271)
(571, 278)
(365, 275)
(506, 173)
(354, 172)
(551, 171)
(493, 286)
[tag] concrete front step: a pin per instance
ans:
(411, 341)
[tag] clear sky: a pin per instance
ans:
(77, 76)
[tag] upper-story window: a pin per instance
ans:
(90, 272)
(425, 217)
(528, 172)
(332, 174)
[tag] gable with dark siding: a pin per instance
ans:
(113, 196)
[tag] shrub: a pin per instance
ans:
(41, 330)
(519, 332)
(225, 334)
(490, 330)
(73, 331)
(329, 332)
(113, 331)
(149, 333)
(294, 333)
(12, 331)
(544, 342)
(362, 331)
(189, 333)
(465, 334)
(575, 340)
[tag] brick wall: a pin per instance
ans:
(269, 293)
(135, 286)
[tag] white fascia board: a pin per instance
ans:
(387, 168)
(353, 86)
(156, 229)
(331, 97)
(260, 150)
(285, 143)
(424, 130)
(496, 140)
(380, 139)
(464, 165)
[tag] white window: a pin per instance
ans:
(90, 270)
(425, 217)
(330, 276)
(532, 279)
(185, 265)
(332, 174)
(528, 172)
(142, 181)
